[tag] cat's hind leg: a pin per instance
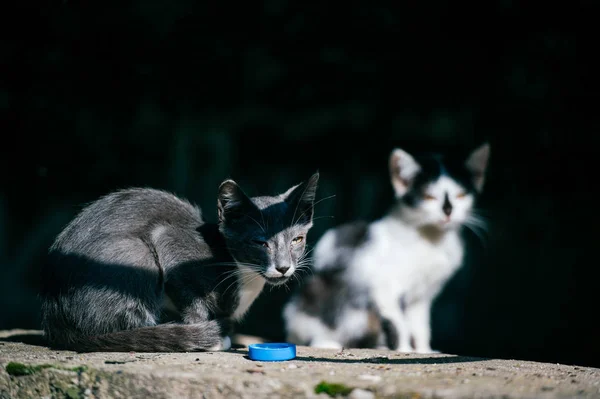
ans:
(189, 284)
(115, 287)
(304, 329)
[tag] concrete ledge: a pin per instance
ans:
(360, 373)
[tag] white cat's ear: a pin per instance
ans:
(477, 163)
(403, 169)
(232, 202)
(301, 199)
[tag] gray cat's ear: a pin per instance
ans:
(232, 202)
(477, 163)
(403, 169)
(301, 199)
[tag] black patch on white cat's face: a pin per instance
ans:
(267, 234)
(432, 169)
(438, 190)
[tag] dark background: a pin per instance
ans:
(180, 95)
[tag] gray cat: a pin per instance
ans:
(139, 270)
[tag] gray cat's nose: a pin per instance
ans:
(282, 269)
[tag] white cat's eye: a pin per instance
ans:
(428, 197)
(297, 240)
(461, 195)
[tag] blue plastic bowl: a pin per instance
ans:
(272, 352)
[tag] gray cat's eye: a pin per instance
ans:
(297, 240)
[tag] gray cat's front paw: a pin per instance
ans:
(224, 345)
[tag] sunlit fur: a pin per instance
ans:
(137, 258)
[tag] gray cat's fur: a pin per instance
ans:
(112, 268)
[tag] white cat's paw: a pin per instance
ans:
(224, 345)
(405, 349)
(426, 350)
(325, 344)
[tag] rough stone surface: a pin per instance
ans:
(365, 374)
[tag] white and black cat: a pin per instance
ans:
(374, 283)
(113, 271)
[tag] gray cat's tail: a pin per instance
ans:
(203, 336)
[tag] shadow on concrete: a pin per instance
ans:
(385, 360)
(29, 339)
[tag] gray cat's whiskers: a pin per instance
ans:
(238, 272)
(306, 253)
(246, 278)
(304, 269)
(231, 264)
(305, 260)
(323, 217)
(255, 221)
(297, 205)
(297, 279)
(233, 273)
(262, 217)
(312, 207)
(304, 263)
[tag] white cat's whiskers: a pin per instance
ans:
(478, 220)
(477, 233)
(478, 226)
